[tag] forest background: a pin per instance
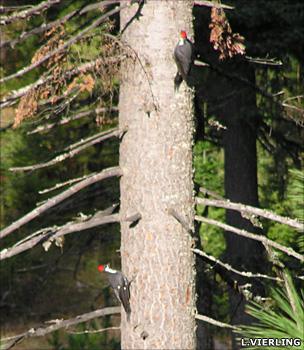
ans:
(248, 147)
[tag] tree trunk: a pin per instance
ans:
(241, 119)
(156, 160)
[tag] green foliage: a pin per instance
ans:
(295, 193)
(283, 319)
(209, 173)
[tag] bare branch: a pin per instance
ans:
(53, 233)
(261, 91)
(43, 28)
(11, 98)
(205, 191)
(110, 172)
(215, 322)
(66, 45)
(85, 144)
(212, 4)
(251, 210)
(35, 10)
(263, 239)
(179, 218)
(58, 324)
(62, 184)
(98, 5)
(94, 331)
(115, 132)
(133, 218)
(230, 268)
(6, 9)
(264, 61)
(66, 120)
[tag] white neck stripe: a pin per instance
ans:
(108, 269)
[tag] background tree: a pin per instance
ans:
(64, 105)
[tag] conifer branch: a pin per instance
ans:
(58, 324)
(90, 141)
(215, 322)
(230, 268)
(212, 4)
(52, 234)
(37, 30)
(107, 173)
(251, 210)
(66, 45)
(244, 233)
(65, 120)
(34, 10)
(12, 97)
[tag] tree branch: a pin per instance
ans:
(10, 99)
(53, 233)
(110, 172)
(251, 210)
(179, 219)
(230, 268)
(263, 239)
(67, 44)
(35, 10)
(43, 28)
(215, 322)
(98, 5)
(62, 184)
(94, 331)
(205, 191)
(212, 4)
(90, 141)
(58, 324)
(66, 120)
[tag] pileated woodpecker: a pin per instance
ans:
(184, 57)
(120, 285)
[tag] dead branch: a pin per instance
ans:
(7, 9)
(58, 324)
(230, 268)
(51, 234)
(98, 5)
(66, 45)
(215, 322)
(264, 61)
(110, 172)
(63, 121)
(263, 239)
(133, 218)
(261, 91)
(48, 235)
(62, 184)
(251, 210)
(93, 140)
(11, 98)
(179, 219)
(111, 132)
(39, 30)
(205, 191)
(212, 4)
(34, 10)
(94, 331)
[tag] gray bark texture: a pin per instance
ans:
(156, 161)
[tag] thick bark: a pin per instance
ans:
(156, 161)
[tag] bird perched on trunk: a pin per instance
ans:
(120, 285)
(184, 57)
